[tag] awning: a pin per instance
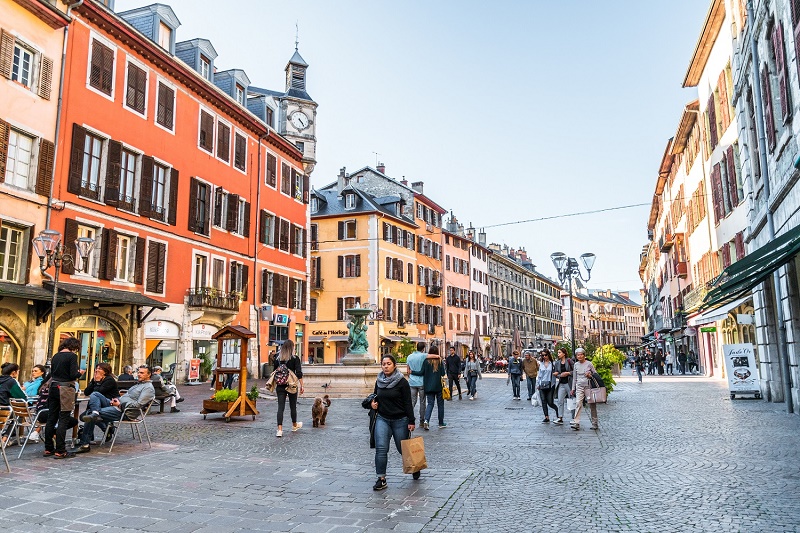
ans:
(316, 338)
(28, 292)
(736, 280)
(393, 338)
(720, 313)
(72, 291)
(338, 338)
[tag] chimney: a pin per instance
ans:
(341, 181)
(482, 238)
(381, 168)
(417, 186)
(404, 181)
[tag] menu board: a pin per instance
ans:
(231, 353)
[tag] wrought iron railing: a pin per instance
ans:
(211, 298)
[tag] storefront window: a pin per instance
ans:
(9, 351)
(101, 342)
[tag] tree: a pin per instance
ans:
(403, 349)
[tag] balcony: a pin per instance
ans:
(666, 242)
(317, 284)
(681, 269)
(208, 298)
(694, 298)
(433, 291)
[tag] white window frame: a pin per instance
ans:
(88, 228)
(195, 254)
(130, 61)
(314, 204)
(223, 219)
(167, 180)
(271, 233)
(344, 266)
(21, 254)
(108, 44)
(124, 266)
(223, 261)
(32, 67)
(136, 181)
(200, 111)
(298, 242)
(174, 88)
(32, 163)
(101, 166)
(238, 92)
(349, 201)
(346, 232)
(161, 34)
(205, 67)
(240, 213)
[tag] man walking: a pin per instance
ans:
(514, 374)
(453, 368)
(531, 368)
(414, 364)
(682, 361)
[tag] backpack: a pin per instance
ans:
(282, 375)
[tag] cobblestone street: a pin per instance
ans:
(672, 454)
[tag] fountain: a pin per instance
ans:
(357, 354)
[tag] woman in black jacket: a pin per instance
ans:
(395, 415)
(293, 363)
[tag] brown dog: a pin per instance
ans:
(320, 410)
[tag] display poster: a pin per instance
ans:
(194, 369)
(740, 365)
(231, 353)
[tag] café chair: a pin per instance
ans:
(6, 421)
(24, 419)
(133, 417)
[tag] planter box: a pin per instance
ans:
(213, 406)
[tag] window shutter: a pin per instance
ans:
(246, 219)
(206, 131)
(388, 268)
(6, 53)
(218, 197)
(712, 121)
(292, 243)
(726, 255)
(306, 188)
(305, 242)
(272, 170)
(285, 179)
(112, 172)
(70, 235)
(108, 255)
(5, 130)
(245, 280)
(780, 66)
(732, 190)
(340, 266)
(385, 231)
(358, 265)
(76, 159)
(223, 141)
(795, 14)
(420, 275)
(716, 193)
(232, 223)
(165, 111)
(739, 241)
(173, 196)
(232, 275)
(276, 232)
(341, 231)
(339, 308)
(138, 269)
(44, 174)
(264, 285)
(152, 267)
(45, 78)
(769, 119)
(240, 152)
(285, 231)
(410, 240)
(194, 184)
(262, 227)
(410, 268)
(146, 187)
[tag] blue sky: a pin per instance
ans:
(506, 110)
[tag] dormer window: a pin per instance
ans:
(314, 204)
(164, 36)
(205, 67)
(269, 117)
(240, 94)
(350, 201)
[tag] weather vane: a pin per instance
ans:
(296, 35)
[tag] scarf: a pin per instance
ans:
(390, 381)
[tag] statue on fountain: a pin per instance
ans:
(358, 334)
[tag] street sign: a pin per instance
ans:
(709, 329)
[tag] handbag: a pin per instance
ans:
(595, 394)
(572, 403)
(535, 399)
(413, 452)
(445, 390)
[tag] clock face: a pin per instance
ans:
(300, 120)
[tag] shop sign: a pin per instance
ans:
(709, 329)
(194, 369)
(281, 320)
(325, 332)
(740, 365)
(399, 333)
(203, 331)
(160, 329)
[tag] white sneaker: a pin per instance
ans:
(472, 397)
(279, 433)
(34, 437)
(297, 426)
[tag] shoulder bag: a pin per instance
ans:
(595, 393)
(445, 389)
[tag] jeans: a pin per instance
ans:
(546, 397)
(418, 392)
(430, 397)
(384, 430)
(669, 368)
(580, 394)
(108, 414)
(562, 393)
(515, 384)
(450, 379)
(472, 385)
(282, 394)
(531, 386)
(639, 373)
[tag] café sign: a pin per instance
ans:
(399, 333)
(326, 332)
(161, 329)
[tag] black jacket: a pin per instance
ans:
(292, 364)
(107, 387)
(453, 363)
(395, 403)
(64, 367)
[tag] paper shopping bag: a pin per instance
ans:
(413, 455)
(572, 404)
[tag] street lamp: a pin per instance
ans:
(567, 268)
(50, 250)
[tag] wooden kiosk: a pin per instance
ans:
(231, 359)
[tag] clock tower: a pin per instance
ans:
(298, 112)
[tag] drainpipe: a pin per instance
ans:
(255, 252)
(762, 142)
(59, 108)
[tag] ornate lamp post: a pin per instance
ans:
(50, 249)
(567, 268)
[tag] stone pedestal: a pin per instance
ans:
(342, 381)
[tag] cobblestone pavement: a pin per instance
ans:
(672, 454)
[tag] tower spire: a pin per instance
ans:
(296, 35)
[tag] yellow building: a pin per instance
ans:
(365, 251)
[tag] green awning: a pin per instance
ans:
(739, 278)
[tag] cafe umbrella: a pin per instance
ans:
(476, 342)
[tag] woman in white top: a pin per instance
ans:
(545, 385)
(580, 382)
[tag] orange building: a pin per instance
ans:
(197, 207)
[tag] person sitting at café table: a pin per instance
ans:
(127, 374)
(163, 389)
(32, 386)
(101, 390)
(138, 395)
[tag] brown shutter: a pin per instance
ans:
(240, 152)
(76, 159)
(246, 219)
(272, 170)
(6, 53)
(44, 175)
(70, 235)
(712, 121)
(780, 66)
(206, 131)
(388, 268)
(173, 197)
(223, 141)
(285, 233)
(232, 274)
(108, 255)
(5, 130)
(138, 268)
(262, 227)
(264, 286)
(45, 78)
(245, 280)
(292, 242)
(152, 267)
(305, 242)
(739, 241)
(716, 193)
(340, 266)
(293, 191)
(306, 188)
(112, 172)
(341, 231)
(358, 265)
(193, 186)
(218, 197)
(146, 186)
(232, 224)
(276, 232)
(732, 189)
(339, 308)
(769, 119)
